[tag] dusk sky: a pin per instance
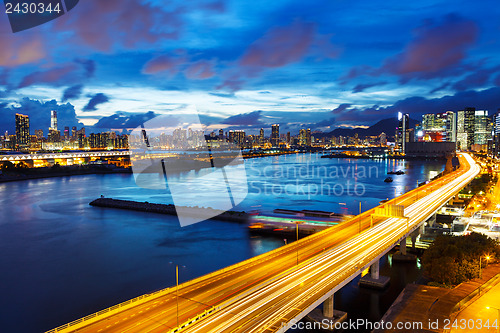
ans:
(248, 64)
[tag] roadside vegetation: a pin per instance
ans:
(451, 260)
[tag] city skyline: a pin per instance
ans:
(468, 129)
(297, 67)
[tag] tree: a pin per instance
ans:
(452, 260)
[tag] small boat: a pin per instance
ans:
(388, 180)
(399, 172)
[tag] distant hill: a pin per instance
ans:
(388, 126)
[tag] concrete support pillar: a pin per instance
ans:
(374, 280)
(432, 220)
(421, 230)
(413, 242)
(402, 246)
(328, 306)
(375, 270)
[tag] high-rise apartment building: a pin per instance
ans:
(302, 137)
(438, 127)
(66, 133)
(482, 130)
(402, 132)
(22, 130)
(428, 121)
(383, 139)
(237, 137)
(53, 120)
(465, 128)
(275, 135)
(451, 127)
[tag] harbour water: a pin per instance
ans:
(62, 259)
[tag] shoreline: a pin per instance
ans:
(6, 178)
(66, 171)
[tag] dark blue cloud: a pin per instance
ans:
(123, 120)
(363, 86)
(245, 119)
(416, 106)
(96, 99)
(72, 92)
(39, 113)
(88, 65)
(68, 73)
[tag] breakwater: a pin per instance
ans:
(169, 209)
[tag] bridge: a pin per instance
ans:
(267, 292)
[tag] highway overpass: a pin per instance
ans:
(62, 155)
(64, 158)
(267, 292)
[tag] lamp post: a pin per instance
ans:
(359, 217)
(498, 316)
(480, 271)
(297, 242)
(177, 290)
(417, 190)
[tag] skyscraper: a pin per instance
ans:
(66, 133)
(261, 137)
(275, 135)
(451, 127)
(496, 122)
(496, 132)
(237, 137)
(308, 137)
(22, 129)
(302, 137)
(428, 121)
(482, 132)
(383, 139)
(465, 128)
(402, 132)
(53, 120)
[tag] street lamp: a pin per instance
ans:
(359, 217)
(480, 272)
(498, 316)
(177, 289)
(297, 242)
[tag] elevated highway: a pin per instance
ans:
(62, 155)
(267, 292)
